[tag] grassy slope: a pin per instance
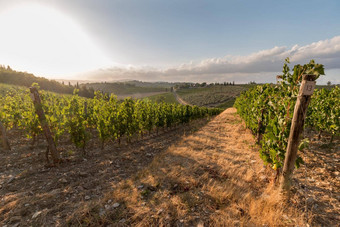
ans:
(220, 96)
(12, 77)
(4, 88)
(123, 88)
(166, 97)
(152, 84)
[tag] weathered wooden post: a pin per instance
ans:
(42, 119)
(300, 110)
(5, 143)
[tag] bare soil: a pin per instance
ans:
(317, 183)
(29, 187)
(201, 174)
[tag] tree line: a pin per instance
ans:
(10, 76)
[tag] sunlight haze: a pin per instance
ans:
(44, 41)
(149, 40)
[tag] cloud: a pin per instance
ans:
(261, 66)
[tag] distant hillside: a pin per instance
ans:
(73, 81)
(211, 96)
(168, 97)
(10, 76)
(153, 84)
(125, 88)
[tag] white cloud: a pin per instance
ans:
(261, 66)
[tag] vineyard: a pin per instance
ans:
(153, 162)
(214, 96)
(127, 89)
(268, 110)
(78, 117)
(165, 97)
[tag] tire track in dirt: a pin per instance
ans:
(180, 100)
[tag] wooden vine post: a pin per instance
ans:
(42, 119)
(5, 143)
(300, 110)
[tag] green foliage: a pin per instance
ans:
(273, 106)
(76, 122)
(214, 95)
(102, 116)
(77, 116)
(166, 97)
(324, 110)
(10, 76)
(122, 88)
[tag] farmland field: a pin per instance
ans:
(169, 113)
(153, 161)
(214, 96)
(204, 173)
(163, 97)
(123, 90)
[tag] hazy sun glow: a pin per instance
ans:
(41, 40)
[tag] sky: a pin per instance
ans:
(177, 40)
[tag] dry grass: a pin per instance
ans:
(213, 177)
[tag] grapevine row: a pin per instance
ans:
(78, 116)
(324, 111)
(268, 110)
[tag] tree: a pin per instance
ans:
(329, 83)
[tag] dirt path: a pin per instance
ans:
(180, 100)
(213, 177)
(203, 174)
(317, 183)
